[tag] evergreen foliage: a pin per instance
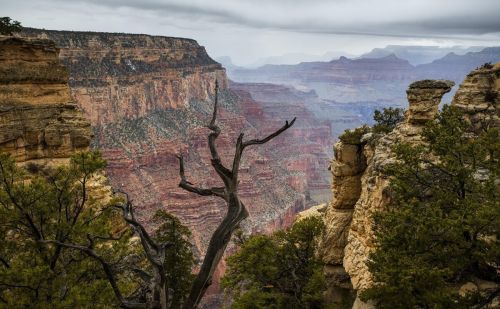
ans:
(353, 137)
(50, 218)
(53, 204)
(179, 259)
(442, 226)
(9, 26)
(278, 271)
(387, 119)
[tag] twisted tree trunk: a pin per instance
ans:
(236, 211)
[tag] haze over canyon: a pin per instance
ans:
(143, 100)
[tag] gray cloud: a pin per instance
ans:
(387, 17)
(237, 27)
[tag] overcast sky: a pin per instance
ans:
(247, 30)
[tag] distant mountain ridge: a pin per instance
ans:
(366, 79)
(417, 55)
(452, 66)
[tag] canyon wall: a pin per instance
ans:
(361, 188)
(39, 121)
(150, 98)
(349, 90)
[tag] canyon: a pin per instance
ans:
(142, 100)
(348, 90)
(360, 187)
(149, 99)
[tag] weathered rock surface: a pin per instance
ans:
(479, 95)
(38, 118)
(349, 236)
(150, 97)
(424, 97)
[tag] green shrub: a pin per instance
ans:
(278, 271)
(387, 119)
(354, 137)
(9, 26)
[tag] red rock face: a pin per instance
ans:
(150, 98)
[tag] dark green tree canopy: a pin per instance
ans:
(442, 228)
(277, 271)
(387, 119)
(64, 247)
(9, 26)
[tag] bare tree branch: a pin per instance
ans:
(270, 136)
(186, 185)
(107, 270)
(236, 211)
(223, 172)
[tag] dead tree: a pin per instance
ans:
(236, 211)
(157, 295)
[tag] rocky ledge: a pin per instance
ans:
(360, 187)
(38, 118)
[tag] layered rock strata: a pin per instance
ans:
(38, 118)
(150, 97)
(361, 188)
(479, 96)
(424, 98)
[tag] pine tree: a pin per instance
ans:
(442, 227)
(9, 26)
(64, 247)
(278, 271)
(54, 204)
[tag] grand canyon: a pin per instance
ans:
(143, 100)
(149, 99)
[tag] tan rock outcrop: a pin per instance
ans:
(360, 187)
(479, 96)
(347, 168)
(424, 97)
(38, 118)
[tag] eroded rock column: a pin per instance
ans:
(347, 167)
(361, 188)
(424, 97)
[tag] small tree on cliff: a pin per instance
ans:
(442, 228)
(278, 271)
(62, 247)
(387, 119)
(9, 26)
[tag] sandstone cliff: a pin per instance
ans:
(360, 187)
(38, 118)
(119, 76)
(150, 97)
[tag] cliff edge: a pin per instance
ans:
(38, 118)
(360, 187)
